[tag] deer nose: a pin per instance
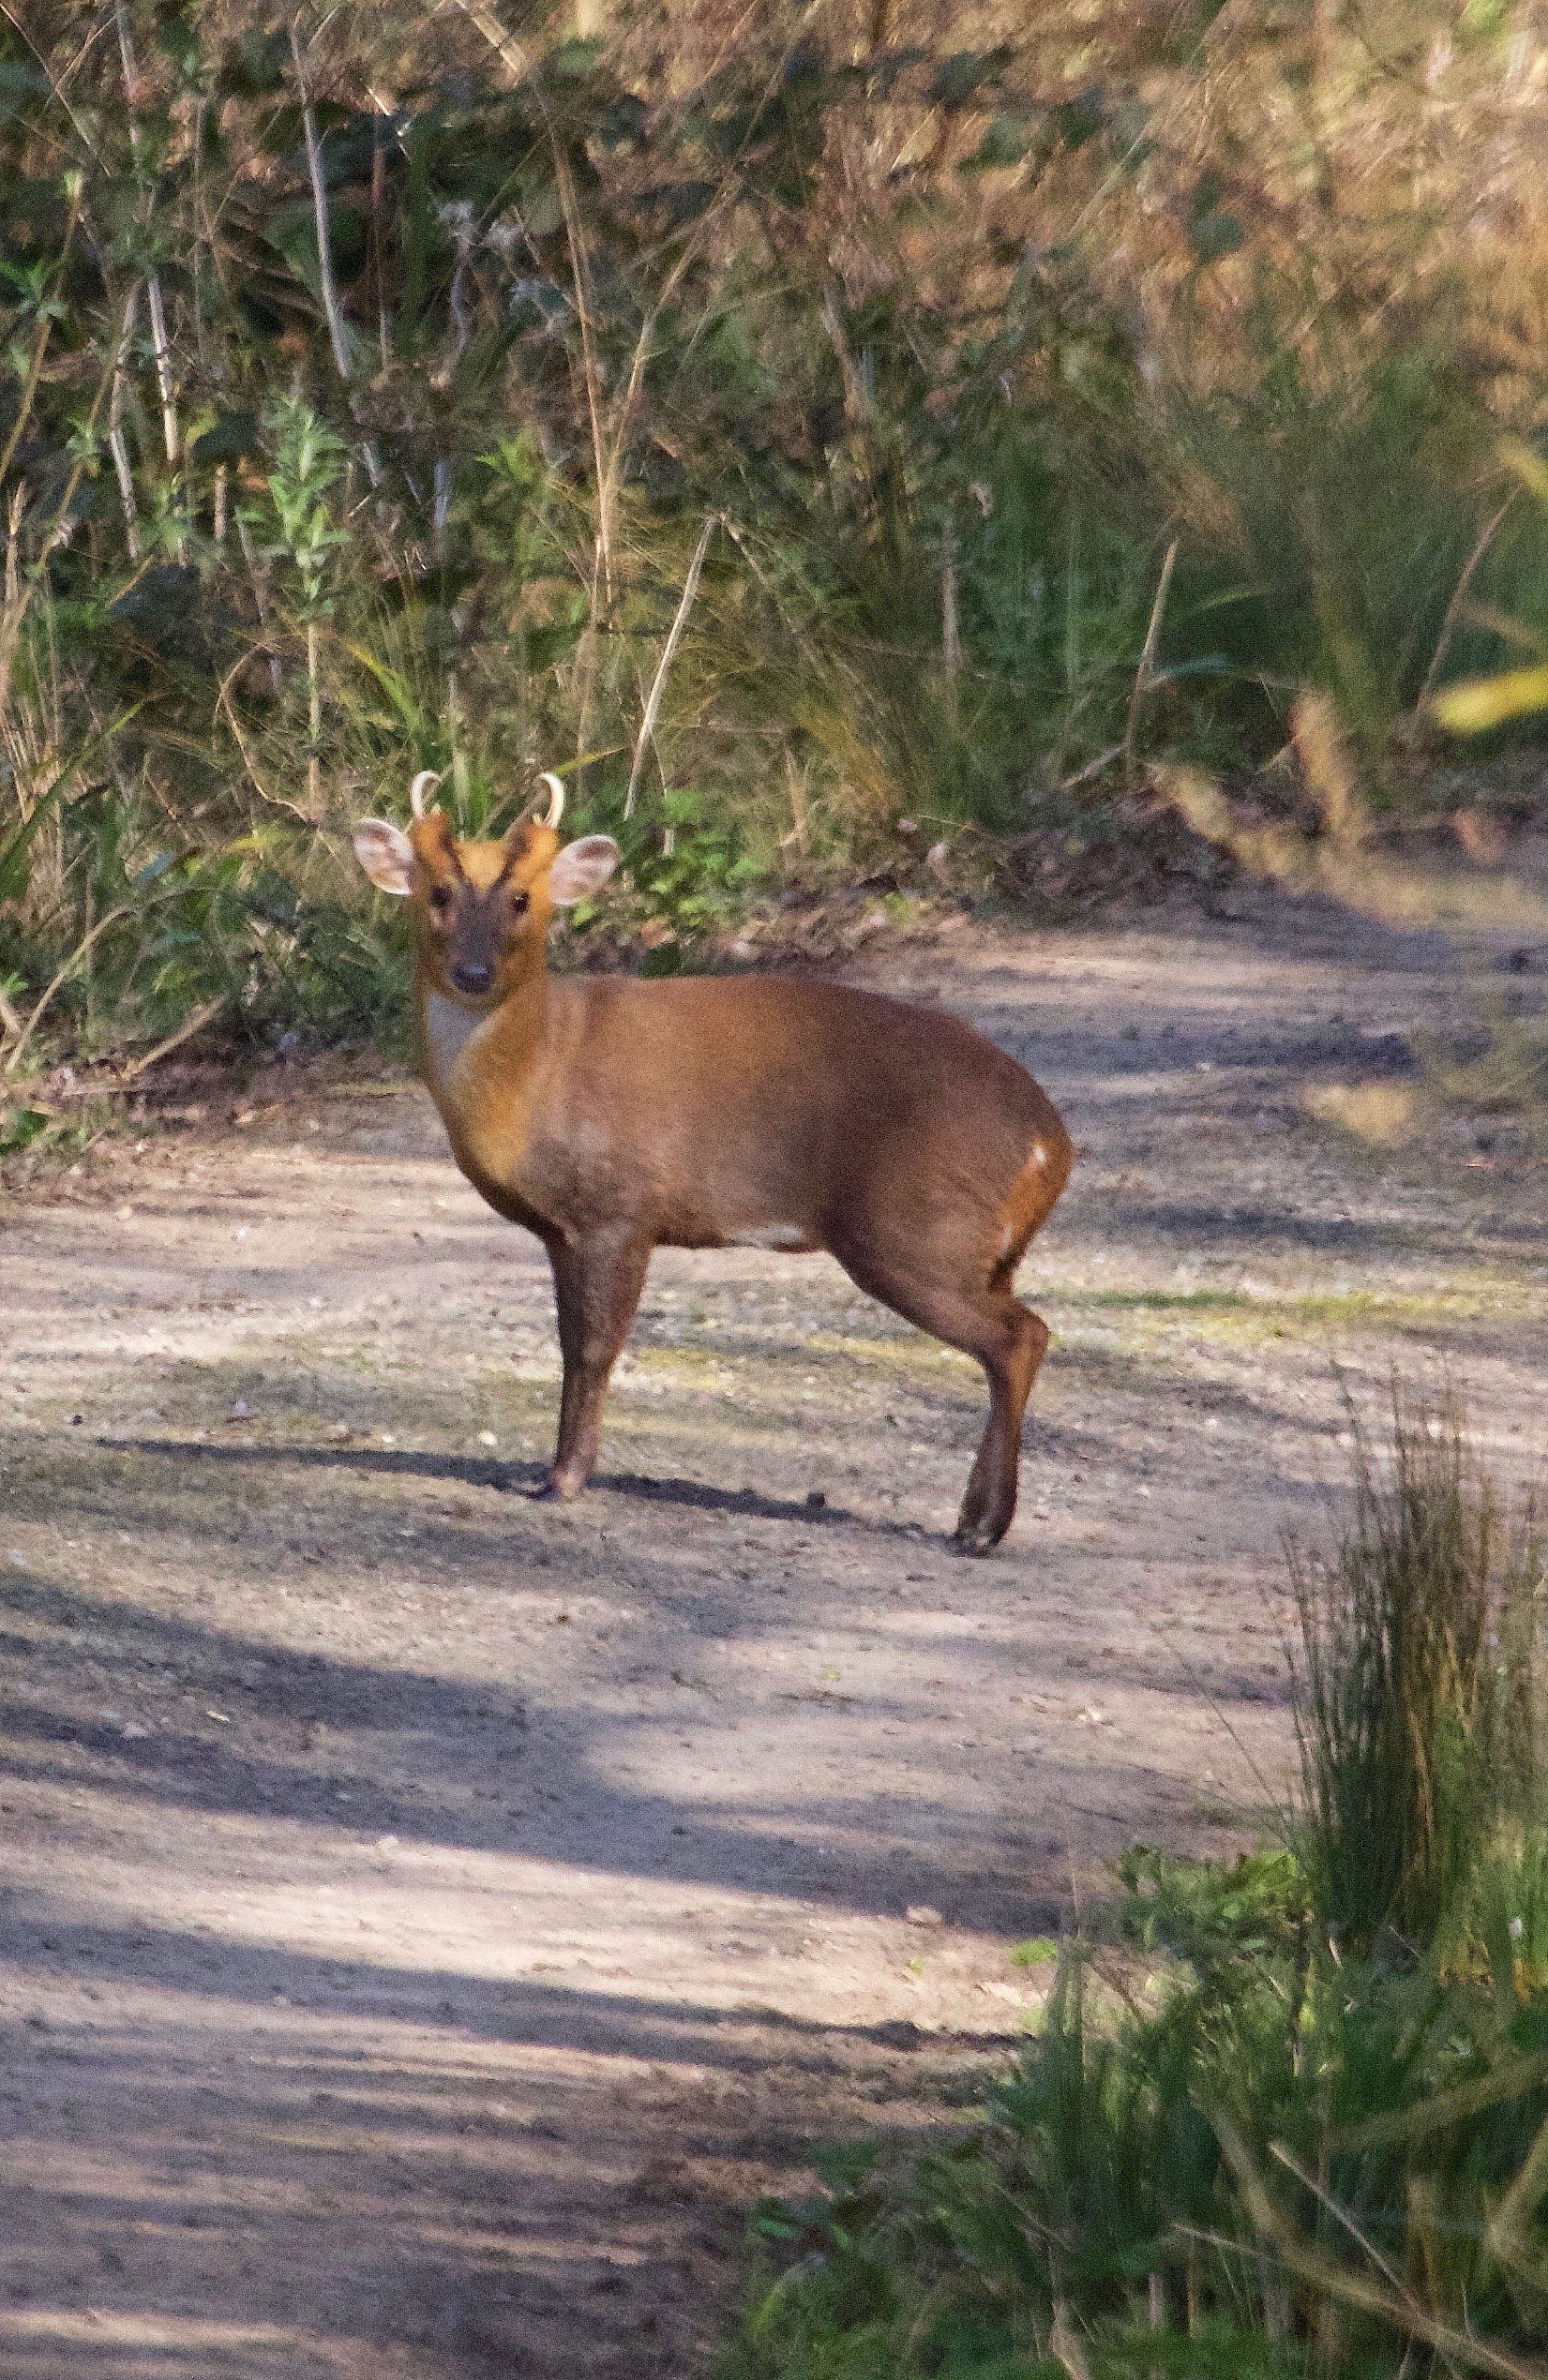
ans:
(472, 975)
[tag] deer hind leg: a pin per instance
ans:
(597, 1284)
(978, 1315)
(988, 1504)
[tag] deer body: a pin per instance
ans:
(611, 1116)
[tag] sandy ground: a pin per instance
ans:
(429, 1919)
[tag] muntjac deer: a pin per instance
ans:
(613, 1115)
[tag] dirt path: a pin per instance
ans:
(428, 1917)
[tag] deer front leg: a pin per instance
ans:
(597, 1282)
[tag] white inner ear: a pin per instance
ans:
(386, 855)
(583, 868)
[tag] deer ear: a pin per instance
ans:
(386, 855)
(583, 868)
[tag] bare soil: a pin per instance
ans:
(429, 1918)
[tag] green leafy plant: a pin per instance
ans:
(1208, 1911)
(307, 461)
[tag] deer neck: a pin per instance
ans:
(473, 1059)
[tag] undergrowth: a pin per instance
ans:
(841, 440)
(1290, 2120)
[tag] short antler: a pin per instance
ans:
(426, 778)
(556, 799)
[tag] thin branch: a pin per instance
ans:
(162, 352)
(186, 1031)
(1339, 2282)
(110, 917)
(223, 702)
(1143, 677)
(18, 596)
(950, 623)
(337, 336)
(602, 545)
(116, 446)
(40, 346)
(170, 433)
(674, 637)
(1458, 596)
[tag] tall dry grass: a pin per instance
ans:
(1039, 398)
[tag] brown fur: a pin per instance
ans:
(611, 1116)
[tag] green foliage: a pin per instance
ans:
(307, 461)
(1307, 2147)
(20, 1127)
(1288, 2169)
(1207, 1912)
(330, 456)
(687, 863)
(1419, 1694)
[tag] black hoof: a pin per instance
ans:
(977, 1536)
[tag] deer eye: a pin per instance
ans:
(440, 900)
(518, 902)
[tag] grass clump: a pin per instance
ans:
(1417, 1688)
(1293, 2124)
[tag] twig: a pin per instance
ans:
(184, 1032)
(514, 59)
(674, 637)
(110, 917)
(1064, 2346)
(1092, 769)
(601, 598)
(223, 702)
(1505, 2229)
(1459, 596)
(1336, 2281)
(320, 216)
(951, 624)
(18, 596)
(1143, 680)
(327, 286)
(35, 360)
(116, 446)
(152, 279)
(608, 426)
(170, 434)
(1340, 2214)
